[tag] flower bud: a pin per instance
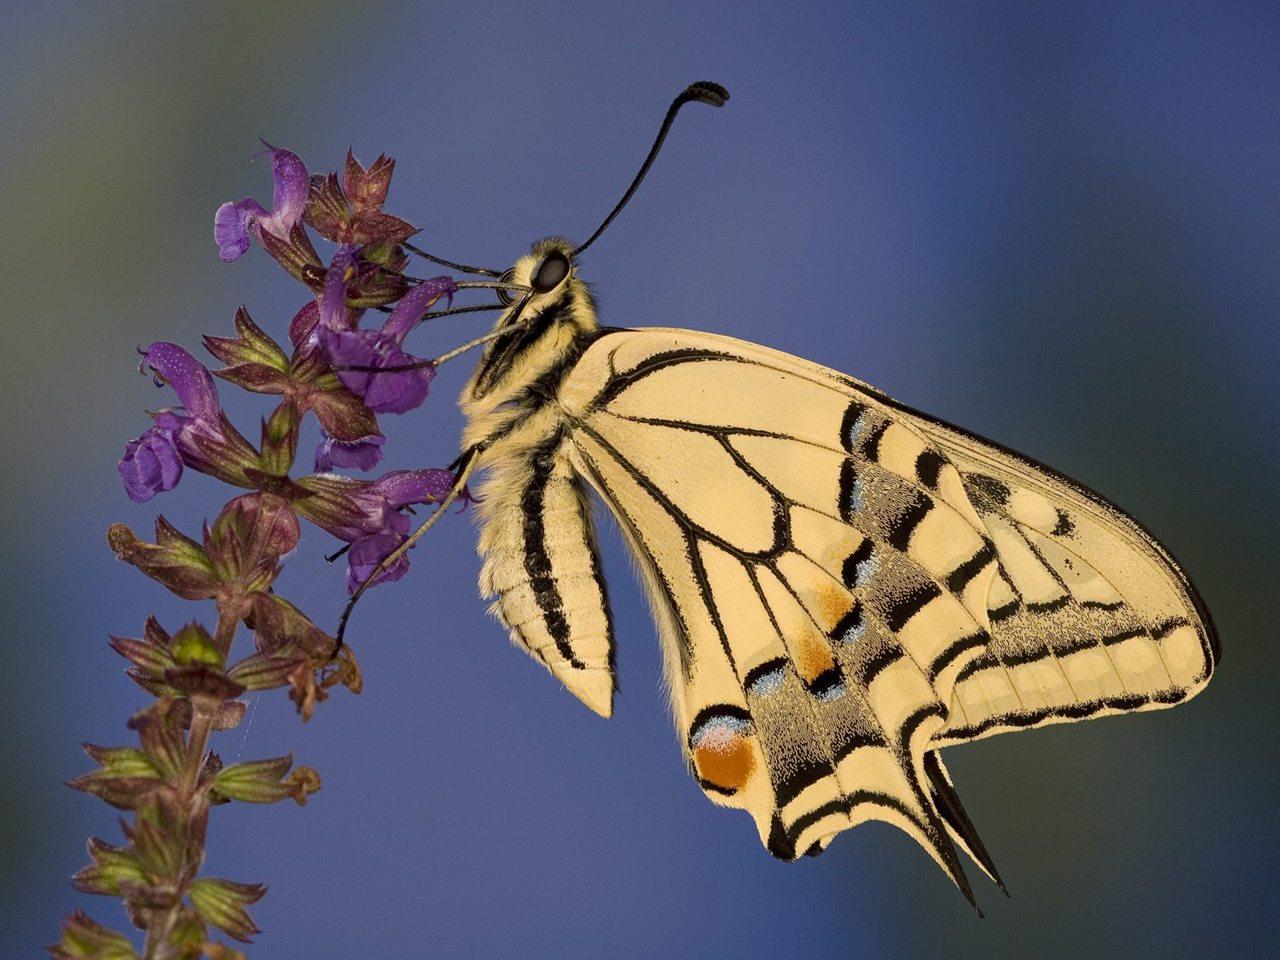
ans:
(367, 187)
(192, 645)
(174, 560)
(280, 439)
(248, 539)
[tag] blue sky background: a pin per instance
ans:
(1054, 224)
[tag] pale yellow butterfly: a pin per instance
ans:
(842, 585)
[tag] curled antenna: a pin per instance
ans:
(704, 91)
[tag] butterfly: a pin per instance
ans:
(843, 586)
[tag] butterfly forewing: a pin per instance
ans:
(1090, 615)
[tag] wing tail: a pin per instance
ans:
(942, 793)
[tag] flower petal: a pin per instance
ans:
(363, 454)
(334, 314)
(415, 303)
(188, 377)
(289, 200)
(405, 487)
(231, 227)
(373, 367)
(365, 555)
(150, 465)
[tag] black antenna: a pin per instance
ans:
(704, 91)
(462, 267)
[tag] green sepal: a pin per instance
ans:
(222, 904)
(84, 939)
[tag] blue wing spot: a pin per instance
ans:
(718, 728)
(851, 626)
(854, 430)
(833, 692)
(766, 678)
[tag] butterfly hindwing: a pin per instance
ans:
(809, 637)
(833, 578)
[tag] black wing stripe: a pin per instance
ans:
(959, 578)
(537, 562)
(907, 605)
(904, 524)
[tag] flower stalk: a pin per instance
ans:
(344, 376)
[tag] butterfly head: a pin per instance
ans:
(546, 272)
(549, 312)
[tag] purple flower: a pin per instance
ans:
(370, 515)
(150, 464)
(367, 552)
(403, 488)
(233, 222)
(334, 312)
(399, 489)
(372, 364)
(363, 454)
(198, 435)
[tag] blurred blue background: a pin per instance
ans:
(1056, 224)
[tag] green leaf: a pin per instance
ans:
(121, 761)
(255, 361)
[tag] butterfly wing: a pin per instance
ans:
(823, 569)
(1089, 614)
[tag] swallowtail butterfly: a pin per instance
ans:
(843, 585)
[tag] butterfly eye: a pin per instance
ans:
(550, 272)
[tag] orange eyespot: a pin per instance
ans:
(724, 758)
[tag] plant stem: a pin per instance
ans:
(156, 944)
